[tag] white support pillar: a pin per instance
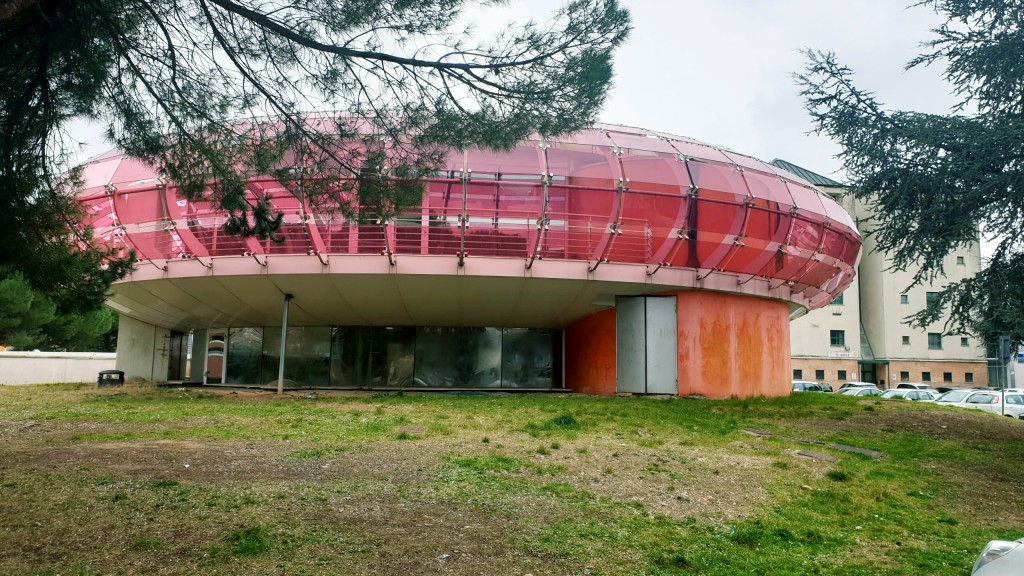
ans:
(284, 340)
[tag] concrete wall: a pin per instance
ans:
(590, 354)
(142, 350)
(732, 346)
(729, 346)
(52, 367)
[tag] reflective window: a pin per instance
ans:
(837, 338)
(245, 346)
(307, 356)
(372, 356)
(934, 341)
(458, 357)
(526, 358)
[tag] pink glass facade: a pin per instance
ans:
(608, 195)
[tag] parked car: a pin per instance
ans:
(860, 391)
(985, 400)
(910, 394)
(953, 397)
(1013, 405)
(808, 386)
(1000, 558)
(857, 385)
(914, 386)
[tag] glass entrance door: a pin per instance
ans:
(216, 350)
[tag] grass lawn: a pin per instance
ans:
(179, 481)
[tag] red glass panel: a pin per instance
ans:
(699, 151)
(765, 231)
(634, 143)
(524, 160)
(767, 190)
(139, 206)
(656, 173)
(720, 182)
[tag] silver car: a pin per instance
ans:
(1000, 558)
(860, 391)
(910, 394)
(954, 397)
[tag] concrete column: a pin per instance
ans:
(142, 350)
(197, 367)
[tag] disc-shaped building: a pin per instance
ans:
(613, 260)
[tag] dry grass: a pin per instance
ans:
(140, 480)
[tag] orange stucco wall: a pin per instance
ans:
(590, 355)
(732, 346)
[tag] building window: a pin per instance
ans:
(904, 299)
(838, 301)
(926, 376)
(947, 376)
(960, 261)
(819, 374)
(934, 341)
(906, 340)
(904, 376)
(842, 375)
(931, 298)
(837, 338)
(798, 374)
(963, 342)
(969, 377)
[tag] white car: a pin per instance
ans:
(857, 385)
(1000, 558)
(994, 401)
(860, 391)
(1013, 405)
(954, 397)
(910, 394)
(808, 386)
(914, 386)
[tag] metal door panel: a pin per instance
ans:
(661, 345)
(630, 359)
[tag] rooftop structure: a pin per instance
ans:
(613, 260)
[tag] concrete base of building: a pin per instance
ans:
(728, 346)
(963, 373)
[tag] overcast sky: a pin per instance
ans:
(721, 71)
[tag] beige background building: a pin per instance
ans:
(865, 336)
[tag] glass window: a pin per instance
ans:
(934, 341)
(307, 356)
(526, 356)
(960, 261)
(906, 340)
(837, 338)
(841, 375)
(964, 342)
(904, 376)
(372, 356)
(904, 299)
(819, 374)
(926, 376)
(245, 346)
(931, 298)
(458, 357)
(982, 399)
(969, 377)
(947, 376)
(838, 301)
(798, 374)
(1014, 399)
